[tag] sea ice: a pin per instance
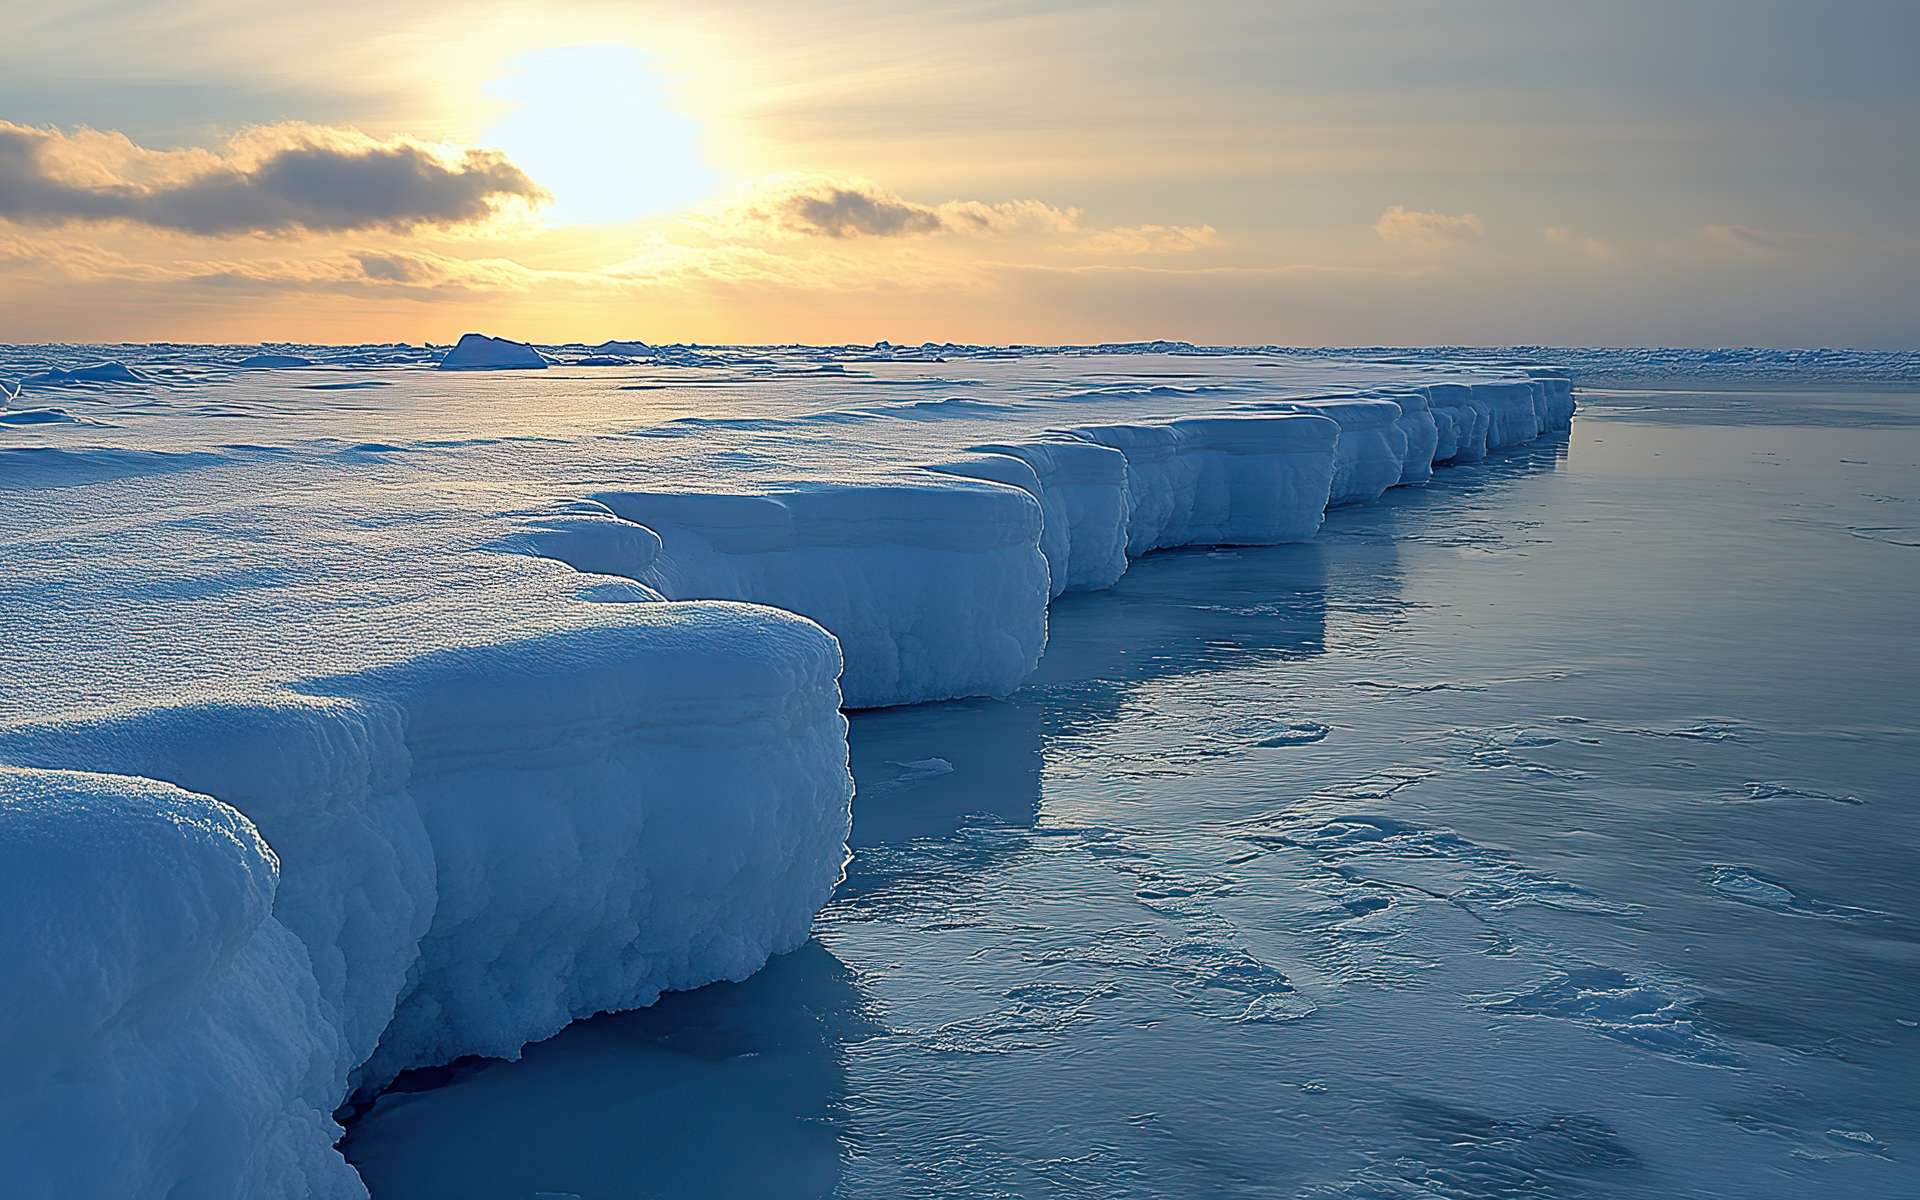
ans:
(472, 722)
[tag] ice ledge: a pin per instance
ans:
(936, 581)
(470, 849)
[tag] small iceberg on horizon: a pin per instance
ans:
(478, 352)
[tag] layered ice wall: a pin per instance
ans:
(1231, 479)
(1369, 453)
(384, 783)
(1471, 419)
(903, 575)
(938, 589)
(450, 823)
(473, 850)
(1086, 505)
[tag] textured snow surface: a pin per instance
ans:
(532, 685)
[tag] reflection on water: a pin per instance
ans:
(1454, 854)
(734, 1090)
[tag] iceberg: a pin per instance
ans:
(478, 352)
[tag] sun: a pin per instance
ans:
(593, 126)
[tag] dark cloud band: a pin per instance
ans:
(306, 186)
(851, 212)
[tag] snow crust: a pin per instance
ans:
(456, 717)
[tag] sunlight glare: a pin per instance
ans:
(593, 126)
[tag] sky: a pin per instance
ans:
(1340, 172)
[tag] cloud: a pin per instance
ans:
(1744, 241)
(1150, 239)
(1420, 230)
(841, 209)
(271, 181)
(1580, 243)
(852, 210)
(820, 206)
(425, 270)
(978, 216)
(394, 268)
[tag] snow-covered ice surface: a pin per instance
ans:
(452, 677)
(1546, 831)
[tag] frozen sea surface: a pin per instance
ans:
(1547, 831)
